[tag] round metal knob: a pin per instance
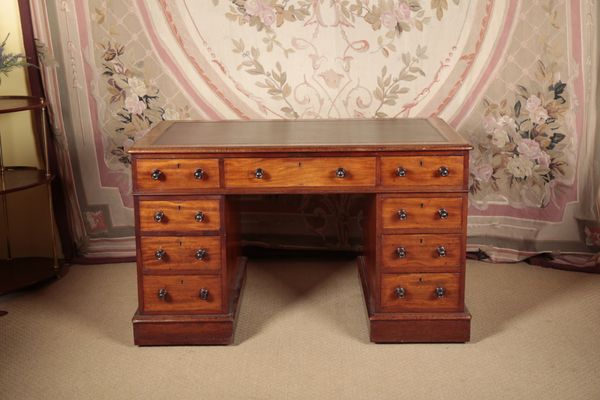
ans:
(199, 174)
(402, 214)
(259, 173)
(199, 216)
(441, 250)
(400, 292)
(443, 171)
(443, 213)
(156, 174)
(160, 254)
(440, 292)
(204, 294)
(200, 254)
(401, 252)
(162, 294)
(401, 172)
(340, 173)
(159, 216)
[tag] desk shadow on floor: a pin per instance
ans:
(328, 288)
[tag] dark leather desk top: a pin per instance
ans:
(300, 136)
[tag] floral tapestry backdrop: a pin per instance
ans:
(516, 78)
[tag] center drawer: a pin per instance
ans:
(182, 293)
(303, 172)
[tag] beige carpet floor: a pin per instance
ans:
(302, 334)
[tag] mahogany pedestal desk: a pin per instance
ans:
(186, 176)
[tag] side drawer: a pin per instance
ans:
(176, 253)
(420, 292)
(158, 175)
(435, 213)
(182, 293)
(422, 253)
(179, 215)
(299, 172)
(422, 171)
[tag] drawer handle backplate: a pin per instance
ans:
(400, 292)
(403, 215)
(440, 292)
(162, 294)
(341, 173)
(259, 173)
(199, 217)
(401, 172)
(441, 250)
(401, 252)
(156, 175)
(160, 254)
(204, 294)
(159, 216)
(443, 213)
(201, 254)
(199, 174)
(444, 171)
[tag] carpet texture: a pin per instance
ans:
(302, 334)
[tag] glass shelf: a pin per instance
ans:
(9, 104)
(13, 179)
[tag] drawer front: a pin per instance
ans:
(173, 253)
(422, 171)
(178, 174)
(422, 253)
(420, 292)
(182, 293)
(303, 172)
(179, 215)
(437, 213)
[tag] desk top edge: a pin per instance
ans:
(450, 140)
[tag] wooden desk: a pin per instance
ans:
(190, 272)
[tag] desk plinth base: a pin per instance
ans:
(168, 330)
(439, 327)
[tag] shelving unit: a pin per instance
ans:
(19, 272)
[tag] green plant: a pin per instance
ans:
(9, 61)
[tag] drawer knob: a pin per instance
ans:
(402, 214)
(199, 174)
(200, 254)
(340, 173)
(162, 294)
(159, 216)
(204, 294)
(400, 292)
(160, 254)
(441, 250)
(199, 216)
(401, 251)
(156, 174)
(440, 292)
(443, 171)
(401, 172)
(443, 213)
(259, 173)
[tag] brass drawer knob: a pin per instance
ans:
(199, 217)
(401, 172)
(401, 252)
(443, 171)
(199, 174)
(441, 250)
(440, 292)
(259, 173)
(159, 216)
(400, 292)
(160, 254)
(204, 294)
(403, 214)
(340, 173)
(157, 175)
(443, 213)
(200, 254)
(162, 294)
